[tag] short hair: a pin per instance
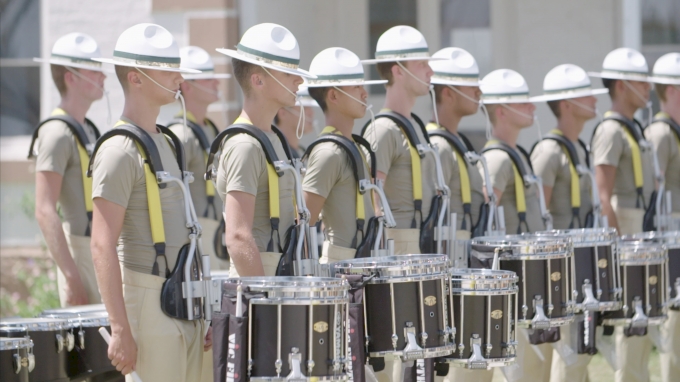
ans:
(242, 72)
(121, 73)
(319, 95)
(610, 84)
(555, 107)
(438, 89)
(58, 73)
(661, 91)
(385, 71)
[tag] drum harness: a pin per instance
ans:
(190, 280)
(85, 148)
(300, 255)
(663, 219)
(372, 243)
(522, 179)
(434, 233)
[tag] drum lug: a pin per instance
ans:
(278, 364)
(676, 301)
(589, 301)
(60, 343)
(411, 350)
(70, 341)
(16, 363)
(250, 367)
(476, 360)
(540, 320)
(525, 310)
(639, 318)
(81, 338)
(310, 366)
(294, 360)
(423, 339)
(395, 339)
(31, 359)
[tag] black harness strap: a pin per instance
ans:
(75, 127)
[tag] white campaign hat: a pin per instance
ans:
(338, 67)
(270, 46)
(504, 86)
(304, 99)
(623, 64)
(401, 43)
(147, 46)
(567, 81)
(76, 50)
(667, 70)
(193, 57)
(458, 68)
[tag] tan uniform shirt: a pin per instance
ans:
(330, 175)
(118, 176)
(196, 163)
(551, 163)
(394, 159)
(665, 142)
(610, 147)
(502, 178)
(57, 151)
(243, 167)
(449, 160)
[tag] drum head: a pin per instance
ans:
(295, 289)
(483, 281)
(14, 343)
(585, 237)
(386, 268)
(523, 247)
(36, 324)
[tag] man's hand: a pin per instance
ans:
(123, 351)
(207, 345)
(75, 291)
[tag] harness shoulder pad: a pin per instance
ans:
(178, 146)
(516, 160)
(284, 142)
(139, 136)
(403, 123)
(348, 146)
(456, 143)
(196, 130)
(73, 125)
(420, 123)
(627, 124)
(366, 145)
(564, 142)
(467, 142)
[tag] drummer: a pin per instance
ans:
(457, 94)
(329, 185)
(505, 94)
(131, 269)
(664, 134)
(624, 173)
(402, 59)
(287, 119)
(200, 91)
(253, 235)
(571, 99)
(59, 168)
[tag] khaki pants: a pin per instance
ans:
(535, 361)
(576, 372)
(207, 367)
(167, 349)
(270, 261)
(406, 241)
(629, 219)
(670, 357)
(209, 227)
(632, 357)
(463, 235)
(333, 253)
(79, 246)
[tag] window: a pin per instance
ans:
(660, 22)
(19, 75)
(466, 24)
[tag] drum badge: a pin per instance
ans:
(430, 300)
(652, 280)
(555, 276)
(602, 263)
(320, 326)
(497, 314)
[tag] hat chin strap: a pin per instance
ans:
(480, 105)
(533, 117)
(586, 107)
(368, 108)
(218, 94)
(430, 86)
(178, 94)
(106, 93)
(648, 103)
(300, 129)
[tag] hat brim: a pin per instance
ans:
(561, 96)
(149, 67)
(53, 61)
(347, 83)
(380, 60)
(509, 100)
(664, 80)
(439, 81)
(619, 76)
(307, 103)
(207, 76)
(235, 54)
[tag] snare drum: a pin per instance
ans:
(598, 286)
(16, 359)
(671, 239)
(544, 266)
(643, 274)
(296, 327)
(405, 312)
(52, 341)
(485, 310)
(89, 356)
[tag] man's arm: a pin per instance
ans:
(547, 194)
(47, 189)
(314, 204)
(107, 223)
(605, 176)
(239, 211)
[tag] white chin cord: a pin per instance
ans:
(218, 94)
(300, 129)
(533, 117)
(430, 87)
(480, 105)
(178, 94)
(642, 98)
(368, 108)
(106, 93)
(586, 107)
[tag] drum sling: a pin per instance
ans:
(172, 302)
(349, 146)
(230, 336)
(520, 172)
(84, 150)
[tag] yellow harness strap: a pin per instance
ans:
(636, 156)
(575, 183)
(465, 187)
(520, 198)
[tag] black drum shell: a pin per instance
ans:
(584, 269)
(7, 373)
(633, 277)
(49, 365)
(673, 271)
(93, 359)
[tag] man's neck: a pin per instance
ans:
(570, 127)
(448, 118)
(289, 131)
(399, 100)
(624, 108)
(142, 112)
(673, 112)
(75, 106)
(507, 134)
(342, 122)
(197, 109)
(260, 113)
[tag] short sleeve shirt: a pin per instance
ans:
(667, 146)
(57, 151)
(394, 159)
(610, 147)
(552, 164)
(243, 167)
(330, 174)
(118, 176)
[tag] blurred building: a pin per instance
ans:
(530, 36)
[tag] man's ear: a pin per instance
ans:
(396, 71)
(332, 95)
(133, 78)
(256, 80)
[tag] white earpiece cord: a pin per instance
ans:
(533, 117)
(368, 108)
(586, 107)
(178, 94)
(480, 105)
(106, 93)
(300, 129)
(430, 87)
